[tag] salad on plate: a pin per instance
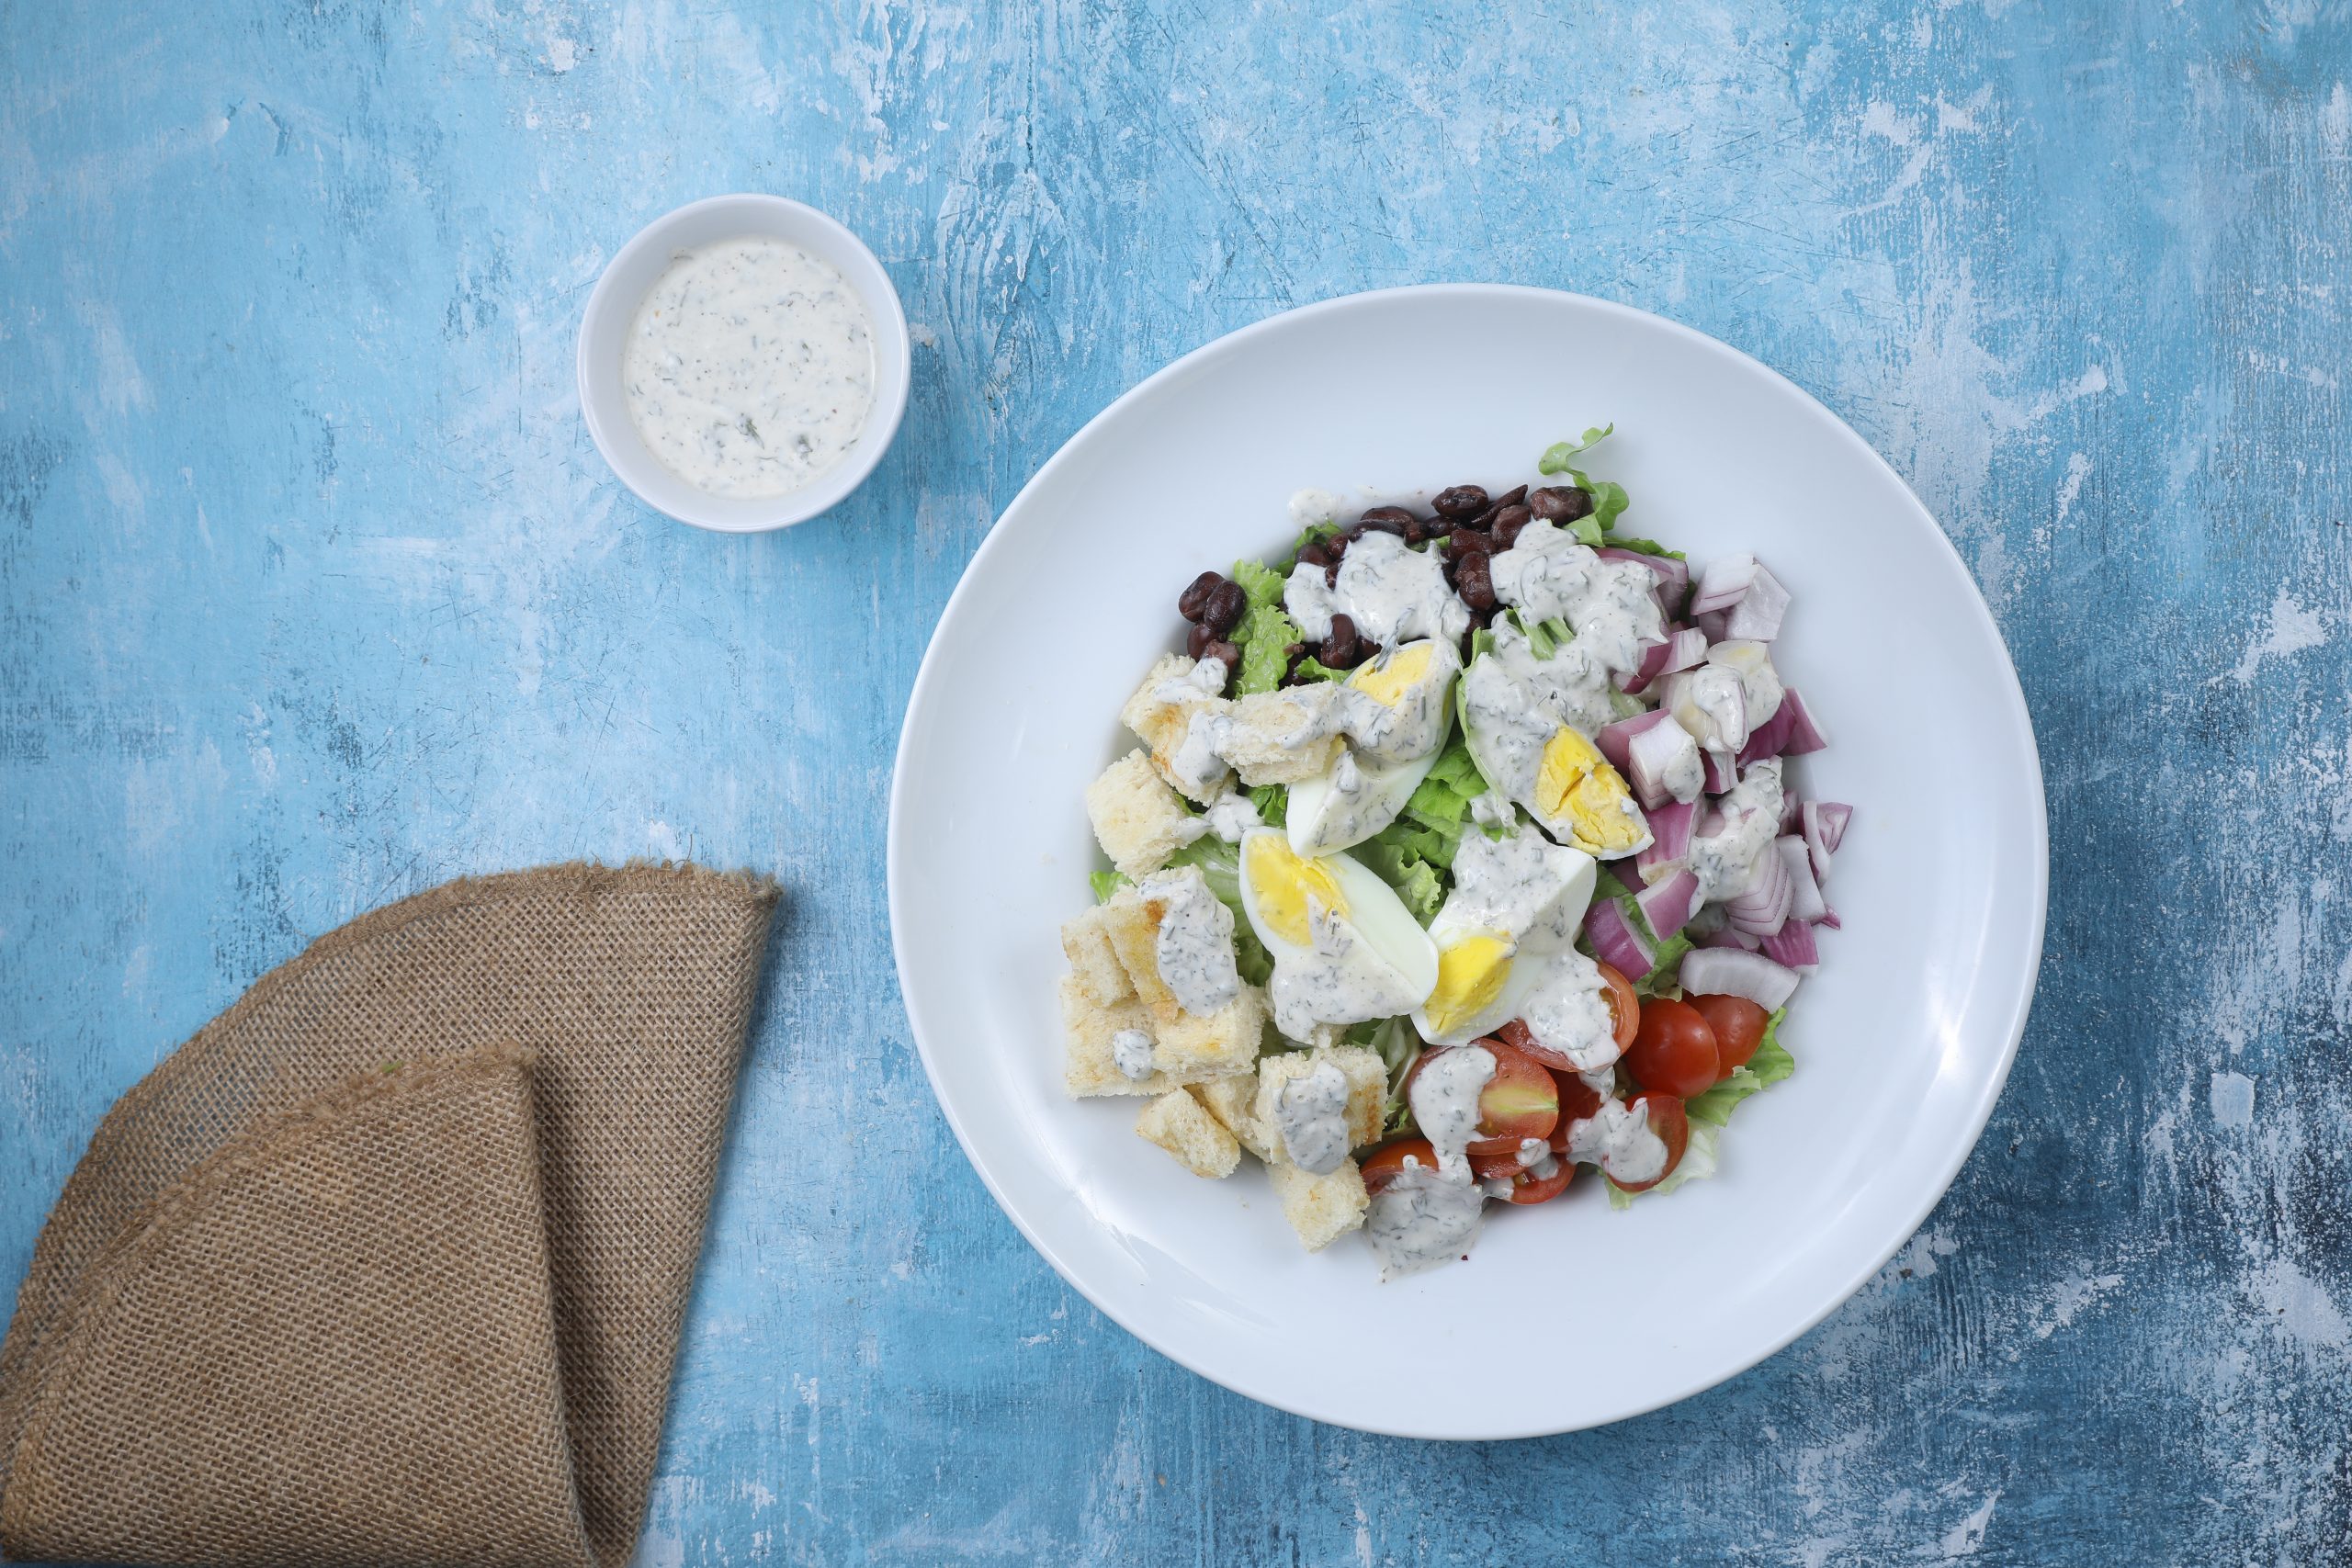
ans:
(1462, 851)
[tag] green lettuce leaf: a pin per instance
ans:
(1272, 802)
(1556, 457)
(1399, 1046)
(1313, 669)
(1406, 858)
(1314, 533)
(1220, 865)
(1649, 548)
(1588, 529)
(1106, 883)
(1264, 638)
(1262, 583)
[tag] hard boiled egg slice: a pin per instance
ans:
(1515, 907)
(1394, 708)
(1356, 799)
(1583, 802)
(1345, 948)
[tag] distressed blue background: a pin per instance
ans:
(315, 594)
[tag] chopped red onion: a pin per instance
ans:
(1616, 740)
(1727, 972)
(1653, 665)
(1806, 903)
(1673, 576)
(1669, 838)
(1716, 624)
(1730, 936)
(1656, 751)
(1803, 734)
(1829, 917)
(1719, 774)
(1759, 611)
(1816, 840)
(1763, 905)
(1685, 648)
(1668, 904)
(1614, 941)
(1790, 812)
(1723, 583)
(1792, 945)
(1769, 739)
(1834, 817)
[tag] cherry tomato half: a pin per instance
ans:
(1674, 1050)
(1672, 1126)
(1384, 1164)
(1738, 1024)
(1519, 1038)
(1526, 1187)
(1625, 1007)
(1520, 1101)
(1579, 1102)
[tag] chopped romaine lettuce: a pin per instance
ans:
(1399, 855)
(1556, 455)
(1264, 638)
(1400, 1046)
(1106, 883)
(1649, 548)
(1220, 865)
(1588, 529)
(1262, 583)
(1272, 802)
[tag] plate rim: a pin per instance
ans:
(2020, 720)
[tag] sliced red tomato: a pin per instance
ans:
(1738, 1024)
(1625, 1007)
(1381, 1166)
(1579, 1102)
(1520, 1101)
(1526, 1187)
(1674, 1050)
(1519, 1038)
(1672, 1126)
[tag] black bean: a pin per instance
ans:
(1229, 655)
(1194, 600)
(1473, 580)
(1461, 500)
(1509, 522)
(1314, 552)
(1560, 503)
(1343, 649)
(1465, 540)
(1331, 573)
(1224, 607)
(1197, 640)
(1438, 527)
(1510, 497)
(1385, 520)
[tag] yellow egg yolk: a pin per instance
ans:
(1470, 976)
(1389, 680)
(1283, 883)
(1576, 785)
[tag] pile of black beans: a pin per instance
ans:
(1467, 526)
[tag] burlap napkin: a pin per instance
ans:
(387, 1265)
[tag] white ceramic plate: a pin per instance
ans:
(1902, 1042)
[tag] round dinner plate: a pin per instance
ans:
(1902, 1040)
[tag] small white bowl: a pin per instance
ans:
(631, 276)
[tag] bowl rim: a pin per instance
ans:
(2020, 716)
(653, 483)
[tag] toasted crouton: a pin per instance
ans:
(1225, 1041)
(1283, 736)
(1231, 1100)
(1177, 1123)
(1321, 1209)
(1166, 725)
(1367, 1079)
(1085, 942)
(1131, 925)
(1091, 1066)
(1137, 819)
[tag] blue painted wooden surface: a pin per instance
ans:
(315, 594)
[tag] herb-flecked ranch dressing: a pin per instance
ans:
(749, 369)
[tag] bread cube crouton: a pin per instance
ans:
(1090, 1062)
(1225, 1041)
(1283, 736)
(1231, 1100)
(1085, 942)
(1163, 711)
(1131, 926)
(1137, 819)
(1321, 1209)
(1367, 1079)
(1177, 1123)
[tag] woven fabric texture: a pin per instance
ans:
(388, 1263)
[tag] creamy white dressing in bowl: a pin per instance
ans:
(744, 363)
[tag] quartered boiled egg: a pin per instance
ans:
(1516, 904)
(1351, 802)
(1528, 722)
(1345, 948)
(1394, 708)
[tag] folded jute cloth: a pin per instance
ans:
(387, 1264)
